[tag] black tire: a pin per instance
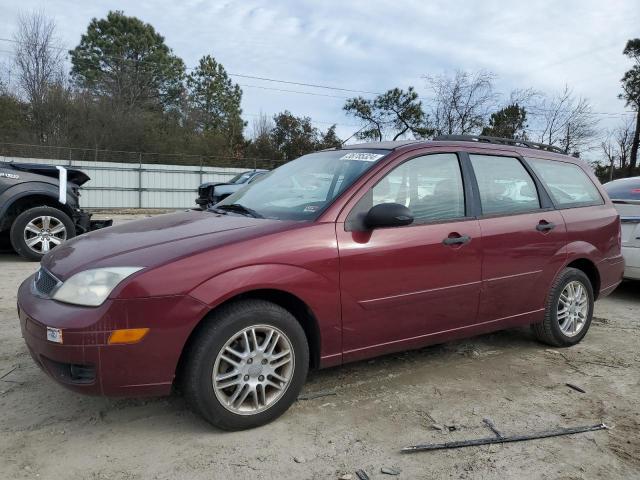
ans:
(219, 328)
(17, 233)
(548, 331)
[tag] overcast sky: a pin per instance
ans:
(375, 45)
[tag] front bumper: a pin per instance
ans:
(84, 223)
(84, 362)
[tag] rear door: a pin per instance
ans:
(399, 285)
(523, 238)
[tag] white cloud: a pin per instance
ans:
(376, 45)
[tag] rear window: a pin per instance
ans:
(568, 184)
(624, 189)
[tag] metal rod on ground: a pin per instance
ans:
(503, 439)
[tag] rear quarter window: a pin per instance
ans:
(568, 185)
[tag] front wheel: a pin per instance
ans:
(569, 310)
(38, 230)
(247, 365)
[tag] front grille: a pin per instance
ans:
(45, 282)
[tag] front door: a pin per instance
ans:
(400, 285)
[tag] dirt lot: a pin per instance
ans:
(379, 406)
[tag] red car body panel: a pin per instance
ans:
(369, 293)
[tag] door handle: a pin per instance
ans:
(545, 226)
(456, 239)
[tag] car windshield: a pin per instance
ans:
(302, 188)
(241, 177)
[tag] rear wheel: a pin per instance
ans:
(40, 229)
(247, 365)
(569, 310)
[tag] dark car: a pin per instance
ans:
(337, 256)
(39, 207)
(211, 193)
(625, 195)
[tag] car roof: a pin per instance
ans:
(462, 145)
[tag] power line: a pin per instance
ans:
(532, 110)
(252, 77)
(293, 91)
(314, 85)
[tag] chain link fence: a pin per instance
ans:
(73, 154)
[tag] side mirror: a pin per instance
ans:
(388, 215)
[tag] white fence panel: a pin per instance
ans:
(146, 185)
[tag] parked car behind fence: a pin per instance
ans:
(211, 193)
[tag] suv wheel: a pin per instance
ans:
(37, 230)
(247, 365)
(568, 311)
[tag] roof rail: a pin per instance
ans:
(500, 141)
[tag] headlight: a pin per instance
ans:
(92, 287)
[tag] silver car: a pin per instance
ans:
(625, 194)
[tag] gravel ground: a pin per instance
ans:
(436, 394)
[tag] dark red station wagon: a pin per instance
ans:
(334, 257)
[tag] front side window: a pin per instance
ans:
(430, 186)
(303, 188)
(568, 184)
(505, 185)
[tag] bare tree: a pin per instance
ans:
(617, 146)
(261, 127)
(462, 103)
(38, 59)
(565, 121)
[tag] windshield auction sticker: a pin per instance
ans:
(362, 156)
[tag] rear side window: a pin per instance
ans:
(505, 185)
(624, 189)
(568, 184)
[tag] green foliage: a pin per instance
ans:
(508, 122)
(631, 79)
(125, 59)
(214, 101)
(631, 95)
(395, 112)
(13, 119)
(294, 136)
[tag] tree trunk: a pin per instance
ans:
(633, 158)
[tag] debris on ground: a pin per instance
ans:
(362, 475)
(390, 471)
(312, 395)
(11, 370)
(499, 438)
(576, 388)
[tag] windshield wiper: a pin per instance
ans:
(241, 209)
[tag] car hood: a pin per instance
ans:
(155, 241)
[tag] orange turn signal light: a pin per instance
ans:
(127, 335)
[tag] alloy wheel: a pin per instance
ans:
(253, 369)
(44, 233)
(573, 308)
